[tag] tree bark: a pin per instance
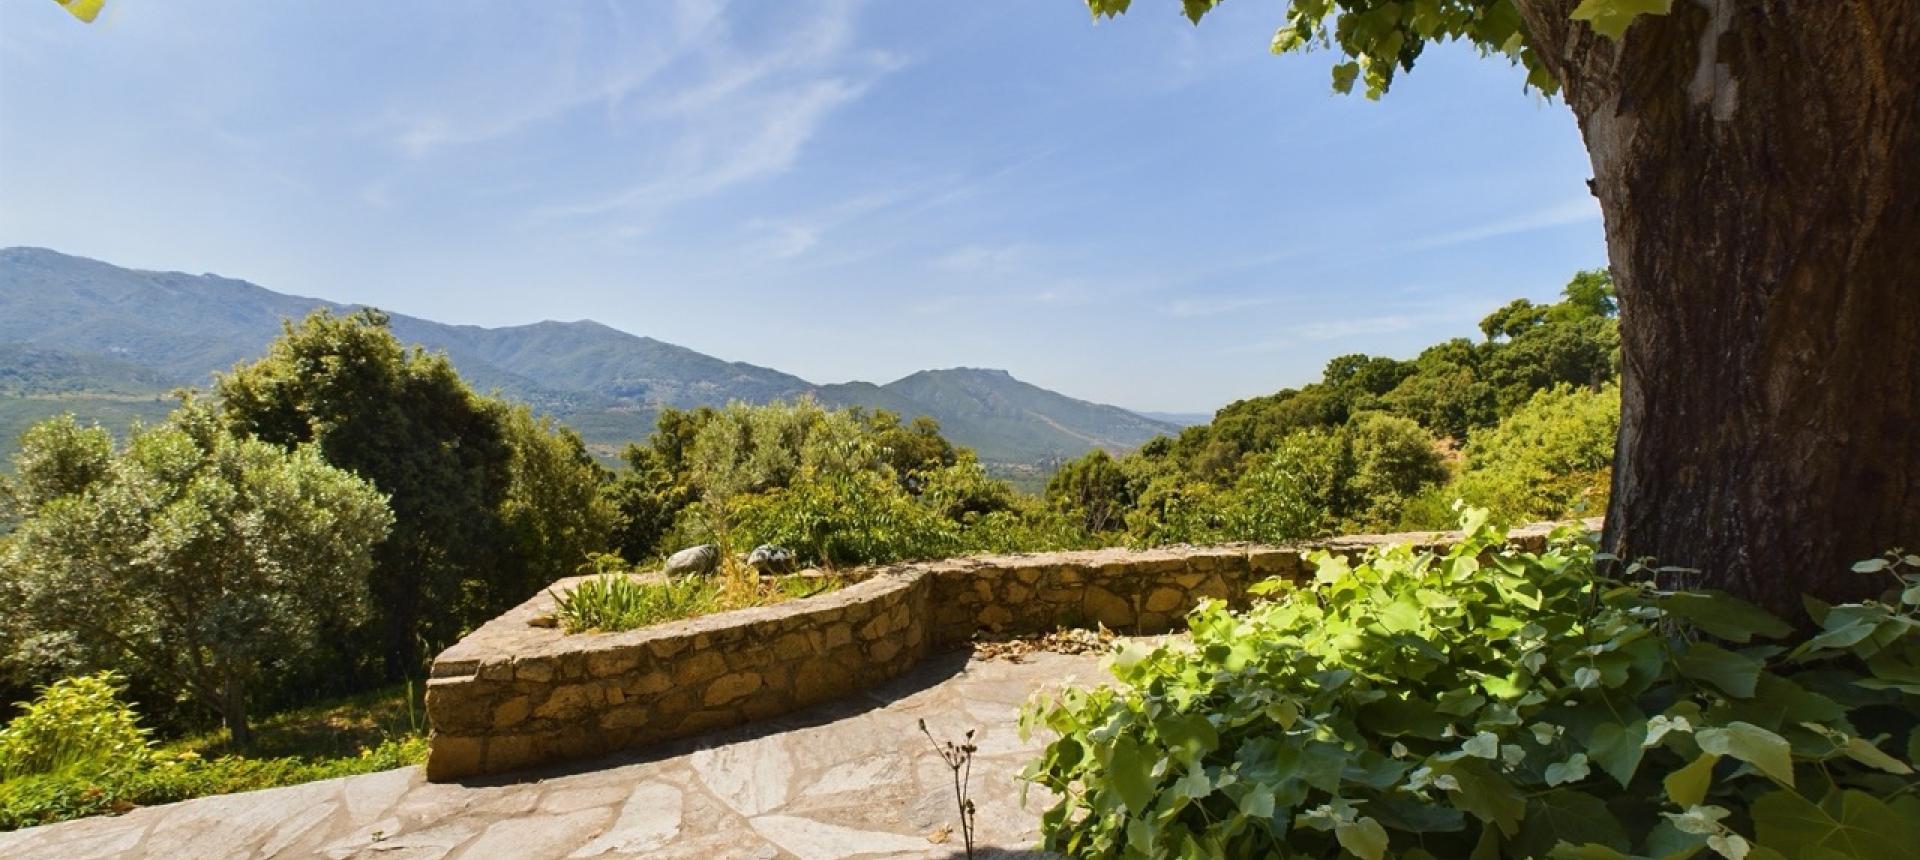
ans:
(1758, 166)
(233, 712)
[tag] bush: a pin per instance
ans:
(1492, 703)
(169, 777)
(76, 724)
(612, 601)
(1550, 459)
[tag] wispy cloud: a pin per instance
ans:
(739, 110)
(1574, 211)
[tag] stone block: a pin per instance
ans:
(730, 687)
(512, 712)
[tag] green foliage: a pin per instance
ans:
(374, 731)
(403, 420)
(838, 517)
(58, 458)
(170, 777)
(77, 723)
(1315, 481)
(556, 512)
(1551, 459)
(1494, 703)
(1380, 39)
(1094, 489)
(193, 559)
(612, 602)
(837, 487)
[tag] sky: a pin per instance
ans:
(1135, 211)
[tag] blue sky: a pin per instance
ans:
(1136, 211)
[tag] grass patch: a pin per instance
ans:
(612, 602)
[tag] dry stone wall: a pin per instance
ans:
(512, 695)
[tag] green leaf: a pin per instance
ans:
(1486, 795)
(1847, 823)
(1344, 75)
(1864, 752)
(1567, 817)
(1618, 749)
(1767, 752)
(1130, 772)
(1725, 616)
(1364, 838)
(1735, 674)
(1610, 18)
(1872, 565)
(1587, 851)
(1688, 785)
(1571, 770)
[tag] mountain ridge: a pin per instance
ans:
(76, 315)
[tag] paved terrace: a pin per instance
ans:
(852, 778)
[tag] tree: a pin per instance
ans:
(1754, 162)
(555, 513)
(1548, 460)
(404, 420)
(193, 558)
(1093, 488)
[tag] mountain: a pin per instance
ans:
(992, 411)
(105, 342)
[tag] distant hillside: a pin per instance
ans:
(110, 340)
(995, 412)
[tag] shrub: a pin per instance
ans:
(76, 724)
(1551, 458)
(610, 602)
(1492, 703)
(169, 777)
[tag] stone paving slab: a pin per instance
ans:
(853, 778)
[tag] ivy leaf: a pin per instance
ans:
(1571, 770)
(1610, 18)
(1130, 770)
(1847, 823)
(1864, 752)
(1736, 674)
(1364, 838)
(1567, 817)
(1688, 786)
(1618, 749)
(1767, 752)
(1725, 616)
(1486, 795)
(1482, 745)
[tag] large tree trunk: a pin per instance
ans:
(1758, 166)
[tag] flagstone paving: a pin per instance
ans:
(849, 779)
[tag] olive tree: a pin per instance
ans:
(192, 559)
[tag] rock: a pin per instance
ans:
(693, 561)
(767, 558)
